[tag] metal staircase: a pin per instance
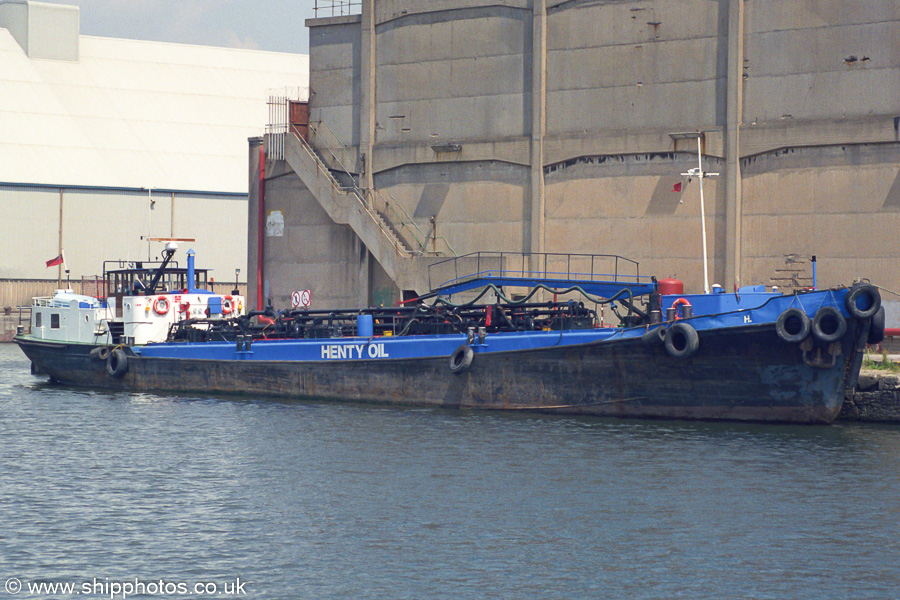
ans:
(380, 222)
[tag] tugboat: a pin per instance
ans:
(496, 334)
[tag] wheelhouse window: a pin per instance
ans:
(37, 319)
(54, 321)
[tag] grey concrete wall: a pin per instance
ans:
(626, 205)
(821, 60)
(840, 203)
(628, 66)
(454, 75)
(817, 146)
(309, 252)
(475, 204)
(334, 76)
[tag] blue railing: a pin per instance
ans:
(534, 266)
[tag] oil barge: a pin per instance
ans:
(499, 333)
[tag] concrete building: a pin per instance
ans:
(565, 125)
(108, 142)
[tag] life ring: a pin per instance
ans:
(876, 328)
(681, 340)
(680, 302)
(863, 300)
(829, 325)
(792, 325)
(117, 363)
(227, 305)
(461, 359)
(161, 305)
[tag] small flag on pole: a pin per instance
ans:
(676, 187)
(55, 261)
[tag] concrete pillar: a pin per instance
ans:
(538, 125)
(733, 118)
(368, 63)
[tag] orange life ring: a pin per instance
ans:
(227, 305)
(161, 305)
(680, 302)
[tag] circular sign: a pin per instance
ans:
(301, 298)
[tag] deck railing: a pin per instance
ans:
(336, 8)
(534, 265)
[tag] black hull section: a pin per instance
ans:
(746, 374)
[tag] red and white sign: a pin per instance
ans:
(301, 299)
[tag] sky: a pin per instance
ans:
(270, 25)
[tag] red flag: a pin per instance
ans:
(677, 187)
(55, 261)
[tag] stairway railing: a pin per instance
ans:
(392, 212)
(355, 191)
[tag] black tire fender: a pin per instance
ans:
(863, 300)
(117, 363)
(829, 325)
(461, 359)
(876, 329)
(682, 340)
(793, 325)
(654, 336)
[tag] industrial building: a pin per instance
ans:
(107, 143)
(442, 127)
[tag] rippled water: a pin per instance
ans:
(321, 500)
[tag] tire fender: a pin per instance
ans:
(654, 336)
(461, 359)
(100, 353)
(829, 325)
(876, 329)
(682, 340)
(793, 325)
(863, 300)
(117, 363)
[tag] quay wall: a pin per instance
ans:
(876, 398)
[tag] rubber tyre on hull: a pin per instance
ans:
(101, 353)
(876, 329)
(829, 325)
(117, 363)
(793, 325)
(863, 300)
(461, 359)
(682, 340)
(654, 336)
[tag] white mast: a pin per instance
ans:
(700, 174)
